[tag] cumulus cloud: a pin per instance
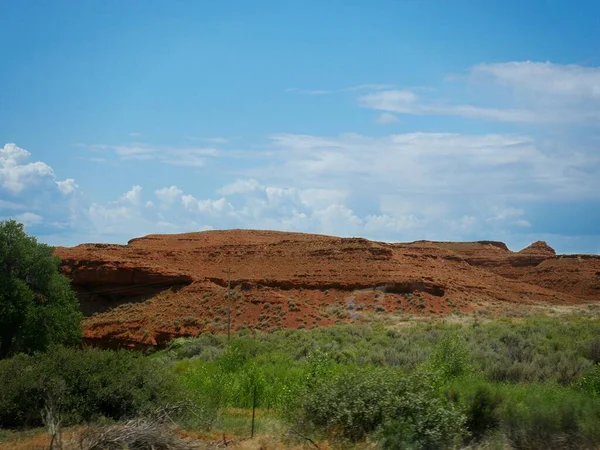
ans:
(31, 194)
(207, 206)
(67, 186)
(134, 195)
(16, 173)
(168, 195)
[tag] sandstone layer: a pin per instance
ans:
(162, 286)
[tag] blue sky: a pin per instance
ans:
(393, 120)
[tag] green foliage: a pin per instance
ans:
(37, 306)
(450, 358)
(549, 417)
(594, 350)
(590, 383)
(351, 405)
(422, 417)
(480, 401)
(411, 389)
(231, 379)
(407, 411)
(528, 415)
(525, 385)
(86, 383)
(538, 349)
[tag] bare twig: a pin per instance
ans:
(293, 431)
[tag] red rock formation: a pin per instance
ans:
(169, 285)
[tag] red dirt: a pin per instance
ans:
(162, 286)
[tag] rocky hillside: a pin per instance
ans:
(161, 286)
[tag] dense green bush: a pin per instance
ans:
(529, 415)
(352, 405)
(405, 410)
(590, 383)
(549, 416)
(85, 384)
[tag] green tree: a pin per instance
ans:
(37, 305)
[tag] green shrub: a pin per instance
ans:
(480, 400)
(351, 406)
(549, 416)
(594, 350)
(405, 410)
(322, 379)
(87, 384)
(451, 357)
(591, 383)
(422, 418)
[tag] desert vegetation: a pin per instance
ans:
(504, 384)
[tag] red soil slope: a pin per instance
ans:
(162, 286)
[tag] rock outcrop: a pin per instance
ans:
(161, 286)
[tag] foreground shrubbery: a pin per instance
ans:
(530, 385)
(540, 349)
(83, 384)
(404, 410)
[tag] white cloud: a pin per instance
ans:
(136, 151)
(384, 223)
(385, 119)
(396, 187)
(207, 206)
(133, 196)
(417, 162)
(168, 196)
(321, 198)
(31, 194)
(239, 187)
(538, 92)
(407, 102)
(16, 173)
(401, 101)
(571, 82)
(189, 157)
(109, 214)
(192, 157)
(67, 186)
